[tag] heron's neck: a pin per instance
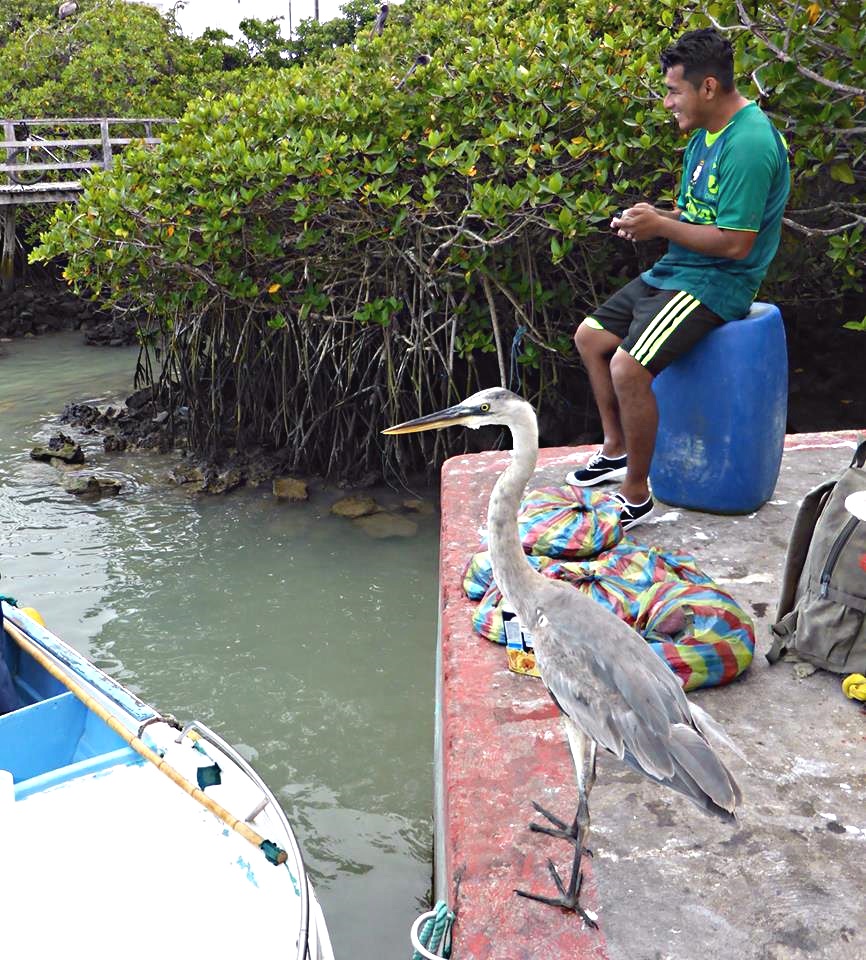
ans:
(511, 570)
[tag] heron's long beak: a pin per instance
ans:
(451, 417)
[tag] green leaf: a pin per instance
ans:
(842, 172)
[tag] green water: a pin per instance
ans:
(294, 635)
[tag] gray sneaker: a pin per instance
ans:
(598, 469)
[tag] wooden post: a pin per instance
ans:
(106, 144)
(7, 252)
(7, 258)
(9, 135)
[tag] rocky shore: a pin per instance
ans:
(139, 424)
(44, 304)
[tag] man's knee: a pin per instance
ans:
(592, 340)
(627, 373)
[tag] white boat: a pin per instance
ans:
(123, 834)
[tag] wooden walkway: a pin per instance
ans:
(45, 158)
(43, 161)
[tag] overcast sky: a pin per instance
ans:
(198, 15)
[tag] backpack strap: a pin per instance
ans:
(799, 541)
(795, 559)
(855, 603)
(780, 631)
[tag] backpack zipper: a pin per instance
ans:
(833, 556)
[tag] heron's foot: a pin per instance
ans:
(568, 896)
(560, 829)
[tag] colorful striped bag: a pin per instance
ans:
(699, 630)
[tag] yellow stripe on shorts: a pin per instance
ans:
(663, 325)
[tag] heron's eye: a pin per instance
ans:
(485, 408)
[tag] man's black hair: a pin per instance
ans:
(702, 53)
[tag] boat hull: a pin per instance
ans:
(121, 832)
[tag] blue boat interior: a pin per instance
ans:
(51, 737)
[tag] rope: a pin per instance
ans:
(272, 852)
(435, 935)
(514, 370)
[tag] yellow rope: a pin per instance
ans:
(137, 745)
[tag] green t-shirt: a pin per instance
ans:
(737, 179)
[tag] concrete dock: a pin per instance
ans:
(667, 883)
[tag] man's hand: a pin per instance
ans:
(643, 222)
(640, 222)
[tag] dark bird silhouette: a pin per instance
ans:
(379, 23)
(610, 687)
(420, 61)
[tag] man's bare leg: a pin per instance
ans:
(596, 348)
(639, 415)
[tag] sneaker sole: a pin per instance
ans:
(633, 523)
(609, 477)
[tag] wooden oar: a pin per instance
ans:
(272, 851)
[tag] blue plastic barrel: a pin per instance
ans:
(722, 414)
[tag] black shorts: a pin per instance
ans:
(655, 326)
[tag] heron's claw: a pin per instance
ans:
(560, 829)
(568, 898)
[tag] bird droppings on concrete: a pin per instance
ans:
(749, 578)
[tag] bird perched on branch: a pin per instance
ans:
(611, 689)
(67, 9)
(379, 22)
(420, 61)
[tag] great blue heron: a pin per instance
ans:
(612, 690)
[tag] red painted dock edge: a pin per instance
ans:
(500, 745)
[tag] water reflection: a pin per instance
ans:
(286, 629)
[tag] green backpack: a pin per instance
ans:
(822, 609)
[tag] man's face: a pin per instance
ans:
(683, 100)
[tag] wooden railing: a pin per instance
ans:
(43, 159)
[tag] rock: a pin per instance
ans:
(422, 507)
(82, 415)
(60, 447)
(187, 473)
(161, 417)
(288, 488)
(383, 525)
(139, 399)
(111, 443)
(95, 487)
(224, 482)
(355, 506)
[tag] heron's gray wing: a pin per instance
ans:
(606, 678)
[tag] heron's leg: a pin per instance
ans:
(583, 751)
